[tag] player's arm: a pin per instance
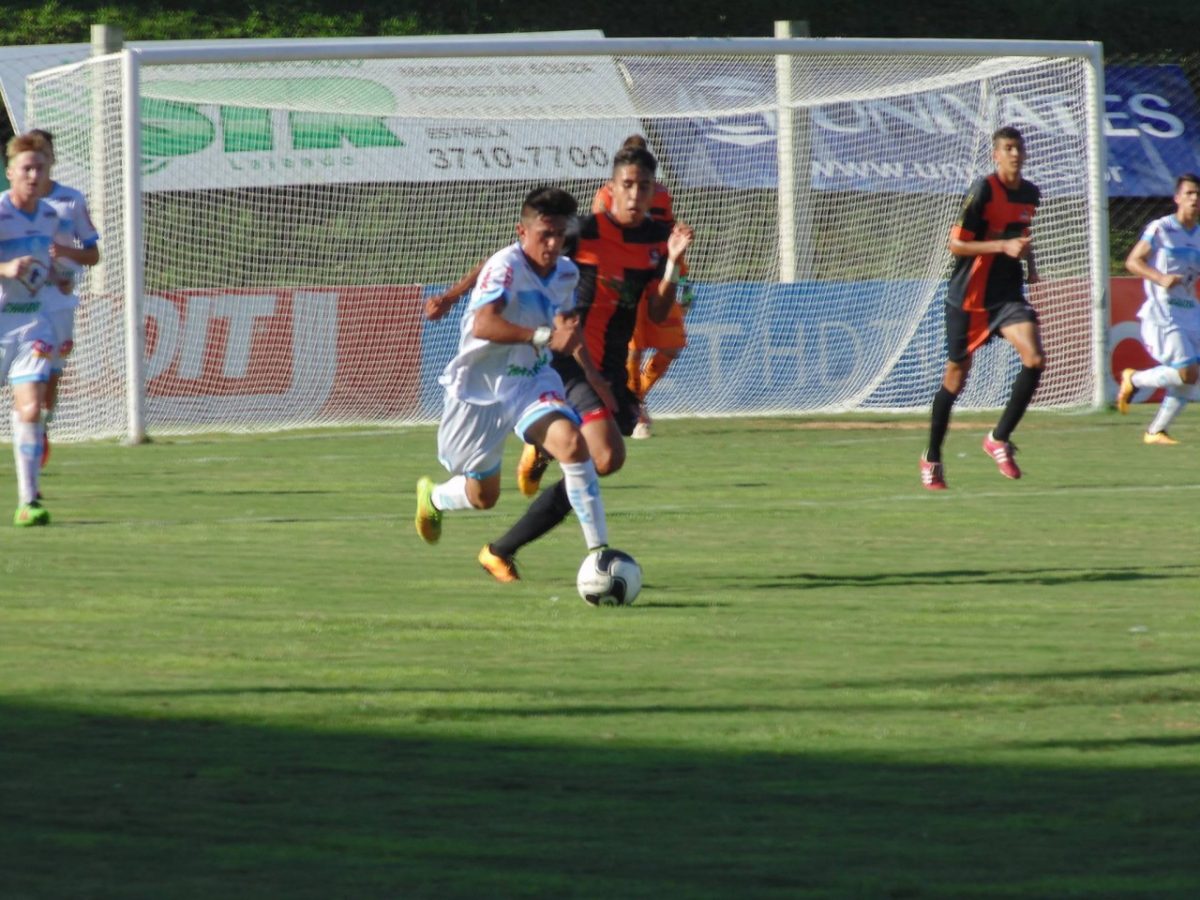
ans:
(81, 256)
(1138, 263)
(663, 294)
(440, 304)
(580, 353)
(1017, 247)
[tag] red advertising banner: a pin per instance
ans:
(319, 353)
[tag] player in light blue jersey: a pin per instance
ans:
(501, 379)
(1167, 257)
(28, 227)
(75, 248)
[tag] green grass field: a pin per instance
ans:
(231, 669)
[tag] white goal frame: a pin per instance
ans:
(134, 59)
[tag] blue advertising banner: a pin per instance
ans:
(907, 143)
(1152, 126)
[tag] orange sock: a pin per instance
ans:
(633, 366)
(655, 369)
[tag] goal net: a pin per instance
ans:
(292, 214)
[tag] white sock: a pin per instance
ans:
(583, 490)
(27, 453)
(1158, 377)
(1190, 391)
(1171, 406)
(452, 494)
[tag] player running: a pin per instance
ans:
(28, 226)
(1167, 257)
(625, 260)
(501, 379)
(985, 298)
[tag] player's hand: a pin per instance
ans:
(1018, 248)
(438, 305)
(564, 338)
(1169, 281)
(15, 268)
(680, 240)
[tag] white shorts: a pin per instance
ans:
(1171, 344)
(62, 322)
(471, 437)
(26, 345)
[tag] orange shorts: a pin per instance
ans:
(666, 335)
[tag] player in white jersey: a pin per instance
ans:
(27, 230)
(501, 379)
(75, 247)
(1167, 257)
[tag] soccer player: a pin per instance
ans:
(985, 298)
(75, 247)
(1167, 257)
(625, 260)
(664, 340)
(28, 226)
(501, 379)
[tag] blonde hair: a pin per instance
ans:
(27, 143)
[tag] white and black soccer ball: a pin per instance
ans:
(609, 578)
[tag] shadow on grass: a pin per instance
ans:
(951, 577)
(111, 806)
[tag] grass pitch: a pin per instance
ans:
(230, 668)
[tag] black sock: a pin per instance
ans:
(1023, 387)
(544, 513)
(939, 421)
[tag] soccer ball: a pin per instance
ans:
(609, 578)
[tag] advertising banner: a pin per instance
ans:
(905, 143)
(283, 355)
(371, 120)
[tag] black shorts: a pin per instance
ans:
(967, 331)
(582, 396)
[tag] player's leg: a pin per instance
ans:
(27, 450)
(667, 340)
(470, 447)
(1026, 339)
(63, 324)
(602, 433)
(954, 379)
(1177, 372)
(28, 372)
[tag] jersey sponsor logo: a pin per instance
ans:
(30, 307)
(528, 371)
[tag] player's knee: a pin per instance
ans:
(1191, 374)
(483, 494)
(1035, 360)
(608, 459)
(572, 447)
(27, 410)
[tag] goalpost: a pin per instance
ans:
(272, 214)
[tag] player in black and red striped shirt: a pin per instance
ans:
(625, 258)
(989, 242)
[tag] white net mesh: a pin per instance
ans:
(297, 213)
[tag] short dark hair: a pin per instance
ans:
(43, 134)
(548, 201)
(1007, 133)
(635, 140)
(1187, 178)
(635, 156)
